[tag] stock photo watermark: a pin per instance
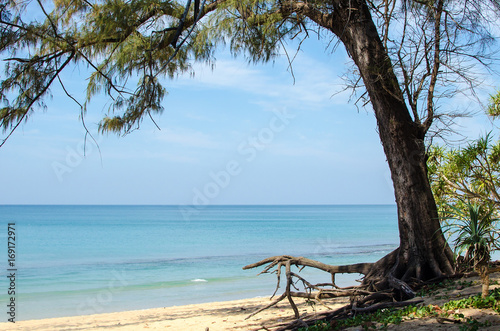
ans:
(11, 272)
(74, 157)
(95, 304)
(249, 149)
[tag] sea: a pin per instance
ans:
(80, 260)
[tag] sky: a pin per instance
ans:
(237, 134)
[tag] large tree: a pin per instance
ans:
(467, 173)
(407, 55)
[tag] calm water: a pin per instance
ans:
(75, 260)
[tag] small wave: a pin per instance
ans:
(199, 280)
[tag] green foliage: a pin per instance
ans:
(494, 106)
(474, 231)
(382, 318)
(129, 46)
(318, 326)
(256, 29)
(473, 325)
(445, 286)
(492, 301)
(123, 43)
(472, 172)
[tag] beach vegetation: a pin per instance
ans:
(468, 173)
(475, 232)
(407, 58)
(466, 182)
(494, 105)
(447, 312)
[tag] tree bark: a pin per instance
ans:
(423, 253)
(484, 273)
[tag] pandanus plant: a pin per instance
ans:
(474, 231)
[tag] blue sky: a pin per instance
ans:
(240, 134)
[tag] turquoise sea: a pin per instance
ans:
(78, 260)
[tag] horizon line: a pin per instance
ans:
(199, 206)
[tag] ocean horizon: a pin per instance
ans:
(87, 259)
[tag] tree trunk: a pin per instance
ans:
(483, 272)
(423, 253)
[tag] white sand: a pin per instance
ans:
(228, 315)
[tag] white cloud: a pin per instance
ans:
(315, 82)
(228, 74)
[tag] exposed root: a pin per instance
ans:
(307, 320)
(378, 291)
(268, 306)
(360, 268)
(383, 305)
(314, 292)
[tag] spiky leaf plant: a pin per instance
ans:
(473, 227)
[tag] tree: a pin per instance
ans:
(472, 172)
(406, 54)
(494, 106)
(465, 182)
(117, 40)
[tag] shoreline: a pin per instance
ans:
(222, 315)
(231, 315)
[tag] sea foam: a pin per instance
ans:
(199, 280)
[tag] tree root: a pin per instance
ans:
(315, 292)
(383, 305)
(307, 320)
(374, 293)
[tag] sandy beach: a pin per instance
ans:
(230, 315)
(227, 315)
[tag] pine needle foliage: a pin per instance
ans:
(472, 172)
(254, 29)
(130, 47)
(122, 43)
